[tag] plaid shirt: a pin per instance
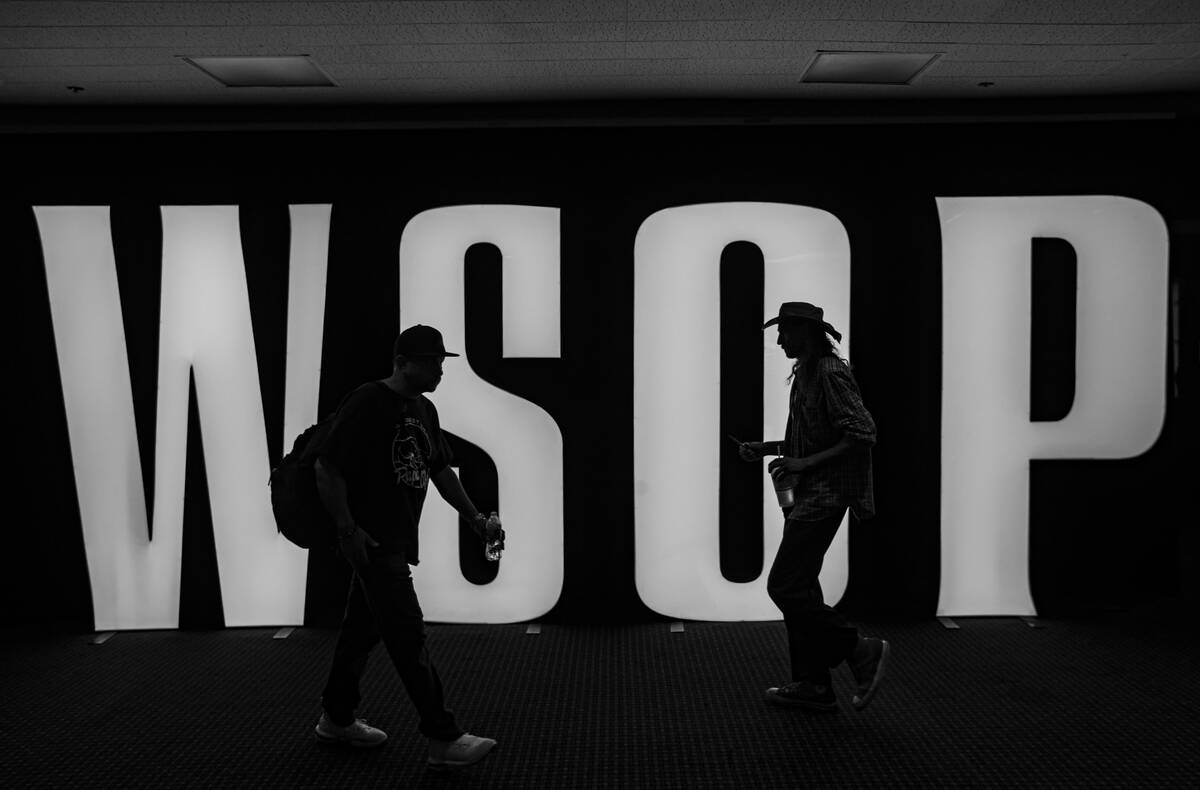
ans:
(823, 409)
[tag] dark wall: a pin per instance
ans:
(1103, 533)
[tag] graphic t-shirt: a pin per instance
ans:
(387, 447)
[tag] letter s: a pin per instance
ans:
(523, 440)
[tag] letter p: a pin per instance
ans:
(987, 436)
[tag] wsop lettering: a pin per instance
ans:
(987, 437)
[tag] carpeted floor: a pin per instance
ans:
(1093, 703)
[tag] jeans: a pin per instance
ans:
(383, 604)
(818, 636)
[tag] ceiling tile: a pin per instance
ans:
(519, 32)
(682, 10)
(1003, 34)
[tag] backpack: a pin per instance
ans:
(299, 513)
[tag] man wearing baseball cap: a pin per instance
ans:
(384, 447)
(825, 458)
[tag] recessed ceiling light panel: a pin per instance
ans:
(870, 68)
(252, 71)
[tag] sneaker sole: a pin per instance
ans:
(822, 707)
(860, 703)
(333, 740)
(459, 763)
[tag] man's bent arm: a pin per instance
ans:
(331, 487)
(847, 445)
(450, 487)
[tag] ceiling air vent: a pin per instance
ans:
(868, 68)
(253, 71)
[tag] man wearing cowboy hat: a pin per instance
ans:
(385, 446)
(826, 457)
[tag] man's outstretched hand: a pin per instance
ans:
(489, 528)
(492, 530)
(752, 451)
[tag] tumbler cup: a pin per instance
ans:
(784, 490)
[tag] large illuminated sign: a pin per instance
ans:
(987, 437)
(677, 255)
(523, 441)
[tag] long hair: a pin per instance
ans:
(822, 346)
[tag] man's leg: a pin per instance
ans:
(819, 637)
(358, 635)
(400, 623)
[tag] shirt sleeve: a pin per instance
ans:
(846, 409)
(350, 431)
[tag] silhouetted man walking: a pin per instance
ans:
(826, 458)
(385, 445)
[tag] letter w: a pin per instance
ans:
(206, 333)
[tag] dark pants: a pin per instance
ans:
(383, 603)
(818, 636)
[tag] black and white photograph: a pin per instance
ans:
(580, 394)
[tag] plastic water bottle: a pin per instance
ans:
(493, 547)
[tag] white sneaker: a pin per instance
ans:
(466, 750)
(358, 734)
